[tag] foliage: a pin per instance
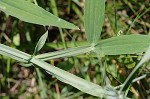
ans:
(98, 50)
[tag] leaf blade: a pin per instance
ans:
(31, 13)
(94, 16)
(41, 42)
(71, 79)
(124, 44)
(13, 53)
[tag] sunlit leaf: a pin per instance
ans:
(32, 13)
(15, 54)
(93, 19)
(124, 44)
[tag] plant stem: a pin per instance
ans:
(115, 10)
(41, 85)
(55, 12)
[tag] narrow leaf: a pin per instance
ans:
(15, 54)
(41, 42)
(32, 13)
(71, 79)
(93, 17)
(124, 44)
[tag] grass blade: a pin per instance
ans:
(55, 11)
(125, 44)
(71, 79)
(15, 54)
(32, 13)
(43, 94)
(93, 17)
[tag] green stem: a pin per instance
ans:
(116, 27)
(55, 12)
(43, 94)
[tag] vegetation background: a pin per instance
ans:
(121, 17)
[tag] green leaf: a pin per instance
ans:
(93, 17)
(79, 83)
(124, 44)
(13, 53)
(41, 42)
(32, 13)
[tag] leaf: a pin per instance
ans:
(15, 54)
(41, 42)
(79, 83)
(93, 17)
(124, 44)
(32, 13)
